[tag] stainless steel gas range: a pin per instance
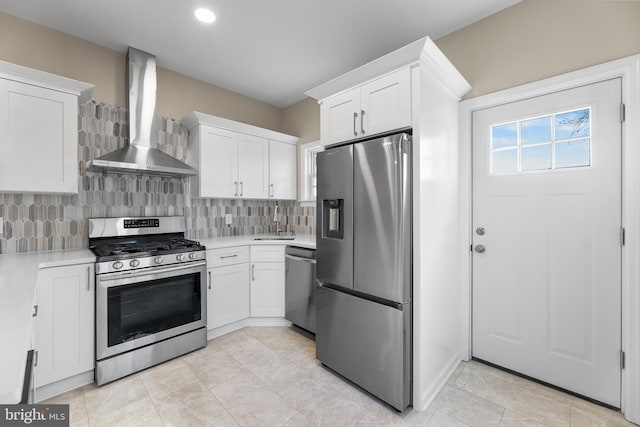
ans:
(150, 293)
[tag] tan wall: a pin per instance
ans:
(32, 45)
(537, 39)
(302, 119)
(532, 40)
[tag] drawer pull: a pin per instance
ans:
(228, 256)
(209, 280)
(253, 272)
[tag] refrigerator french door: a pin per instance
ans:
(364, 265)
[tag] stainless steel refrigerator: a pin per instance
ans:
(364, 272)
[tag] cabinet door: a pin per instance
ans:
(340, 117)
(218, 162)
(228, 298)
(38, 139)
(267, 289)
(253, 167)
(65, 322)
(283, 170)
(386, 103)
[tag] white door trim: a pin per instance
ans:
(629, 70)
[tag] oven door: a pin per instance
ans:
(141, 307)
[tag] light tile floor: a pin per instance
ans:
(270, 377)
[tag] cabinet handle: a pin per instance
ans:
(88, 278)
(209, 279)
(229, 256)
(362, 121)
(35, 355)
(355, 117)
(35, 311)
(236, 193)
(241, 188)
(271, 190)
(253, 272)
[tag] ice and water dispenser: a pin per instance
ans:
(333, 218)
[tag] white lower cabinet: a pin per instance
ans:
(244, 282)
(267, 289)
(228, 295)
(64, 337)
(267, 281)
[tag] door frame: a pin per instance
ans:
(628, 69)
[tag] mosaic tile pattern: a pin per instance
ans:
(35, 222)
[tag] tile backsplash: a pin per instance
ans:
(37, 222)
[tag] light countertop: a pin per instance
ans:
(18, 278)
(301, 240)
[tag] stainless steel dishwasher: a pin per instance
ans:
(300, 308)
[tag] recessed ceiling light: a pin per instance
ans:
(205, 15)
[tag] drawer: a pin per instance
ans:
(267, 253)
(227, 256)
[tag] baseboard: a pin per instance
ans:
(435, 386)
(48, 391)
(252, 321)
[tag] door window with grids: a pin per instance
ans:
(554, 141)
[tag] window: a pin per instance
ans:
(555, 141)
(308, 171)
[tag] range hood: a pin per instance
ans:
(141, 155)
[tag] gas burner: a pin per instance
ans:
(141, 243)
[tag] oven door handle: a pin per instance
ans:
(126, 276)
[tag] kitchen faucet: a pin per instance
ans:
(276, 219)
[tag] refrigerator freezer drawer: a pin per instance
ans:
(366, 342)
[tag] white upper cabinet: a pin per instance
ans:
(253, 167)
(39, 130)
(236, 160)
(219, 163)
(282, 170)
(380, 105)
(339, 117)
(385, 103)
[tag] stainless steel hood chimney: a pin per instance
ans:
(141, 155)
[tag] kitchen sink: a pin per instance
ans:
(274, 238)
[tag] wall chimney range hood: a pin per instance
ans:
(141, 155)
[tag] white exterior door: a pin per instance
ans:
(547, 212)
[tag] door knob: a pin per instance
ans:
(480, 249)
(480, 231)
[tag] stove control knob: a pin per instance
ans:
(180, 257)
(117, 265)
(134, 263)
(193, 255)
(158, 260)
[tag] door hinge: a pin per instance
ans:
(622, 359)
(471, 248)
(623, 237)
(622, 113)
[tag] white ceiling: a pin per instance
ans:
(270, 50)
